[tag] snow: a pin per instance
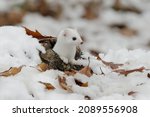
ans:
(25, 85)
(13, 89)
(6, 5)
(17, 48)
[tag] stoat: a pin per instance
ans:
(67, 41)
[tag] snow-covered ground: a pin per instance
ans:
(17, 49)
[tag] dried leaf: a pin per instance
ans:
(131, 93)
(119, 6)
(11, 17)
(91, 9)
(124, 29)
(63, 84)
(48, 86)
(36, 34)
(42, 67)
(128, 32)
(98, 57)
(87, 70)
(12, 71)
(41, 6)
(148, 75)
(110, 64)
(126, 72)
(78, 82)
(87, 97)
(71, 72)
(94, 52)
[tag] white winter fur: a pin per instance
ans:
(65, 46)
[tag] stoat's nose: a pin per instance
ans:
(81, 42)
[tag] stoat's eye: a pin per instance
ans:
(74, 38)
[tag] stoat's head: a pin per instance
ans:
(70, 36)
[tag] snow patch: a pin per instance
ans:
(17, 48)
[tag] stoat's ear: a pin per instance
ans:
(66, 32)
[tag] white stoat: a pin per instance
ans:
(67, 41)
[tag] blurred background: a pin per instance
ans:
(104, 24)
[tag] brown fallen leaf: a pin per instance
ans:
(87, 97)
(128, 32)
(91, 9)
(119, 6)
(94, 52)
(11, 17)
(131, 93)
(124, 29)
(42, 67)
(63, 84)
(36, 34)
(12, 71)
(43, 8)
(148, 75)
(78, 82)
(110, 64)
(87, 70)
(126, 72)
(98, 57)
(70, 72)
(48, 86)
